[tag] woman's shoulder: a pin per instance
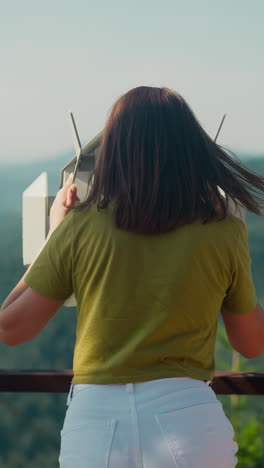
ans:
(91, 218)
(233, 222)
(84, 213)
(230, 228)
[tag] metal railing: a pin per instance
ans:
(58, 381)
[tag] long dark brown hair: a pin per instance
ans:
(162, 170)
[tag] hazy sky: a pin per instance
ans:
(81, 55)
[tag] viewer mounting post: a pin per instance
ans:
(220, 126)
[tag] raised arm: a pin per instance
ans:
(26, 311)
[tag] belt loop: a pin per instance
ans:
(69, 398)
(129, 388)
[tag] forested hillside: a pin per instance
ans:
(31, 423)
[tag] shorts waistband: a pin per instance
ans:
(134, 387)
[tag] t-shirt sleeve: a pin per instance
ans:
(51, 273)
(241, 295)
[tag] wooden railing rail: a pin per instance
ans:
(56, 381)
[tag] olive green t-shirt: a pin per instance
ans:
(147, 305)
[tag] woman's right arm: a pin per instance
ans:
(245, 331)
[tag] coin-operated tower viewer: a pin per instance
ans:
(37, 201)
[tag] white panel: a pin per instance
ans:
(239, 211)
(36, 205)
(81, 181)
(71, 301)
(35, 217)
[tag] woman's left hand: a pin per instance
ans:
(63, 203)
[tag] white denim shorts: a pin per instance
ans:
(165, 423)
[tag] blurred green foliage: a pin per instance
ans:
(31, 422)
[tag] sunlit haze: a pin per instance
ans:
(82, 55)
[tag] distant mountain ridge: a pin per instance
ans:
(15, 178)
